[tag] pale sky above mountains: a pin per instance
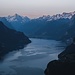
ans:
(35, 8)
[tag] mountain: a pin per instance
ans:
(57, 28)
(11, 40)
(43, 27)
(53, 29)
(24, 24)
(4, 20)
(32, 26)
(64, 15)
(17, 21)
(70, 32)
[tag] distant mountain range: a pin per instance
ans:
(49, 27)
(64, 15)
(17, 21)
(25, 19)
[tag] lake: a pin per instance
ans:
(33, 59)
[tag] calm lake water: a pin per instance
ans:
(33, 59)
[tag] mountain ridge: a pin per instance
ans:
(11, 40)
(44, 27)
(46, 17)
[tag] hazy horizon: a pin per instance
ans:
(35, 8)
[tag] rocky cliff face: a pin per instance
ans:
(11, 40)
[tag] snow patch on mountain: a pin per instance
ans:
(25, 19)
(64, 15)
(17, 17)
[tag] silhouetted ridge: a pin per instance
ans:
(11, 39)
(65, 65)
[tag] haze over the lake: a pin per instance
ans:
(35, 8)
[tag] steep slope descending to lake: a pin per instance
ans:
(57, 67)
(65, 65)
(11, 39)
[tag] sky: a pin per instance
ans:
(35, 8)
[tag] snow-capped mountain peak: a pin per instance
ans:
(23, 19)
(64, 15)
(17, 17)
